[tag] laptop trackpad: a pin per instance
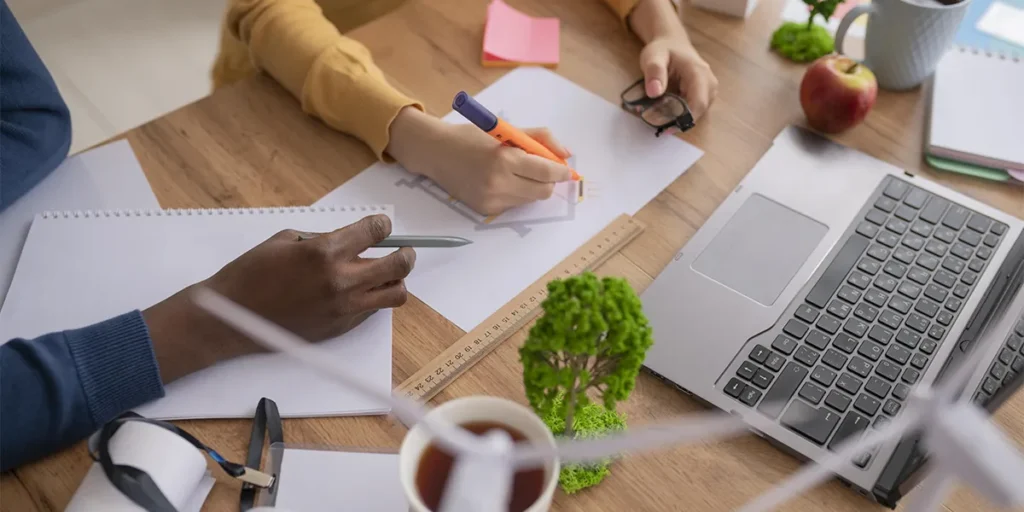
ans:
(760, 249)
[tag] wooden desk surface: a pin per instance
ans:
(250, 145)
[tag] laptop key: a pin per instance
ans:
(961, 290)
(984, 253)
(1006, 356)
(746, 370)
(888, 370)
(849, 294)
(828, 324)
(961, 251)
(784, 388)
(838, 401)
(810, 422)
(998, 228)
(913, 241)
(916, 198)
(885, 204)
(784, 344)
(900, 304)
(953, 304)
(806, 355)
(869, 266)
(910, 376)
(897, 226)
(991, 240)
(928, 347)
(837, 270)
(817, 340)
(976, 265)
(834, 359)
(750, 395)
(851, 427)
(918, 275)
(876, 297)
(904, 254)
(795, 329)
(998, 371)
(876, 217)
(859, 367)
(870, 350)
(954, 265)
(867, 404)
(823, 375)
(845, 343)
(945, 234)
(933, 211)
(840, 308)
(926, 307)
(919, 361)
(886, 283)
(759, 353)
(896, 188)
(880, 334)
(878, 252)
(859, 280)
(762, 378)
(969, 277)
(890, 319)
(774, 362)
(849, 383)
(901, 391)
(1015, 342)
(895, 269)
(945, 279)
(955, 217)
(1019, 328)
(928, 261)
(878, 387)
(891, 407)
(806, 313)
(944, 318)
(811, 393)
(898, 353)
(936, 332)
(1018, 364)
(935, 293)
(917, 323)
(866, 312)
(735, 387)
(990, 386)
(979, 223)
(936, 248)
(905, 212)
(922, 228)
(888, 239)
(908, 338)
(867, 229)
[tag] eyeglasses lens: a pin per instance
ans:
(666, 110)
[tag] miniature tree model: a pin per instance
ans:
(806, 42)
(591, 339)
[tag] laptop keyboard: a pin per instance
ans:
(1008, 364)
(864, 334)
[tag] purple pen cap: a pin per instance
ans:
(474, 111)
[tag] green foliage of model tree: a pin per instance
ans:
(592, 338)
(590, 421)
(806, 42)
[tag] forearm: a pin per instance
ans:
(651, 19)
(333, 76)
(59, 388)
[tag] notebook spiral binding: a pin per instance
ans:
(195, 212)
(1013, 57)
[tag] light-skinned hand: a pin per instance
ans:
(473, 167)
(671, 63)
(315, 285)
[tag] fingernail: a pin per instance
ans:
(654, 88)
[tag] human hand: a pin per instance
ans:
(671, 63)
(316, 286)
(473, 167)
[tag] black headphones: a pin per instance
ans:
(137, 485)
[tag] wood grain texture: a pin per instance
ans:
(250, 145)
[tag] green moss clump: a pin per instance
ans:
(591, 421)
(802, 43)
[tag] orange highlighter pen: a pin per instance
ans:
(505, 133)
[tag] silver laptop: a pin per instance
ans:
(828, 285)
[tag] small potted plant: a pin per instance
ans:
(805, 42)
(589, 344)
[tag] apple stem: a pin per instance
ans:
(852, 68)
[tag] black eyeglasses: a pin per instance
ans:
(664, 113)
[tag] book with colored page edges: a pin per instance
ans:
(512, 38)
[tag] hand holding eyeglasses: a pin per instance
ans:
(671, 64)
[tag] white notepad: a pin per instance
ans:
(313, 480)
(977, 113)
(79, 268)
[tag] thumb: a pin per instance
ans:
(654, 63)
(355, 238)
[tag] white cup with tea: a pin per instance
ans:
(424, 468)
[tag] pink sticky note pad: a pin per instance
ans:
(512, 38)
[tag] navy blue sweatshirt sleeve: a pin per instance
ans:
(35, 126)
(57, 389)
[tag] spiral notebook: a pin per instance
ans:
(978, 110)
(79, 268)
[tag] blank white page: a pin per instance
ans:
(978, 109)
(80, 268)
(315, 480)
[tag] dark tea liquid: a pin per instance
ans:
(435, 466)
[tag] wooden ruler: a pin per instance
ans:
(474, 345)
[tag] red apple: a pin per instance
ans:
(836, 93)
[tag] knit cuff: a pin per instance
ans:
(116, 365)
(358, 103)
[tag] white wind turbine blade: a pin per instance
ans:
(930, 493)
(813, 474)
(274, 337)
(688, 429)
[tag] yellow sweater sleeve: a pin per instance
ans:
(622, 7)
(333, 76)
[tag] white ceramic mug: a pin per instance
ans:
(905, 38)
(473, 409)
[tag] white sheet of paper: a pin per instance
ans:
(1003, 21)
(104, 178)
(315, 480)
(623, 164)
(78, 271)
